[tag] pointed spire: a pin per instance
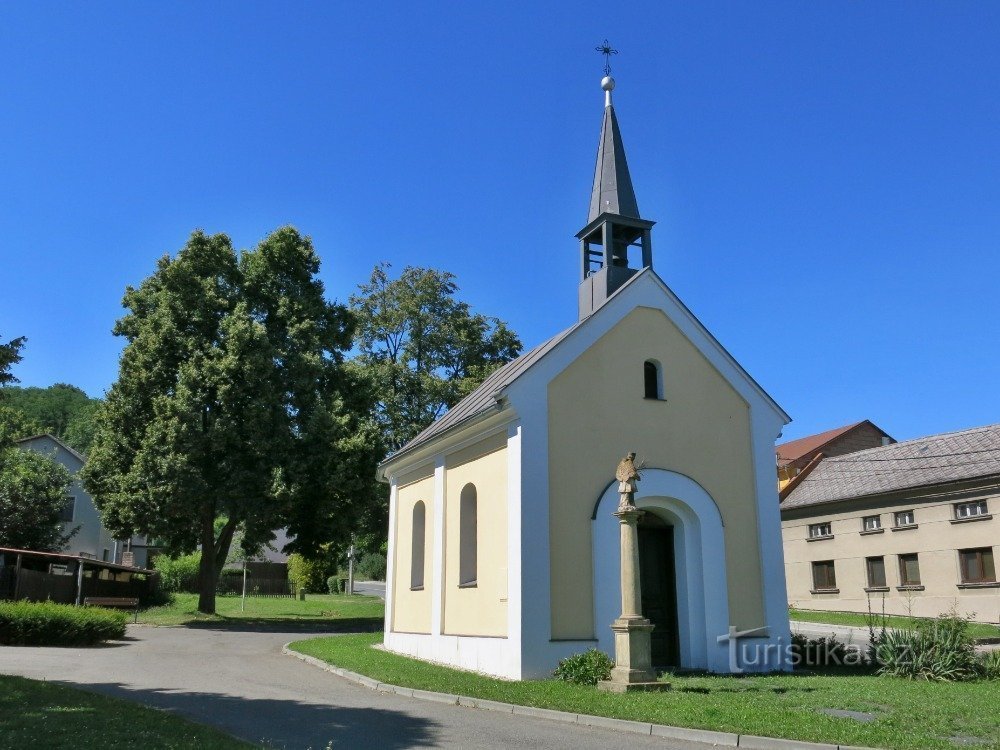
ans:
(612, 192)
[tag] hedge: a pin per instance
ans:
(48, 624)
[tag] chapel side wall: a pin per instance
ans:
(935, 539)
(701, 429)
(411, 610)
(479, 610)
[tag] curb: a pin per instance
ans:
(708, 737)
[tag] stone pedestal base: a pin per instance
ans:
(633, 670)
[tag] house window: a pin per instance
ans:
(68, 510)
(876, 572)
(824, 576)
(909, 570)
(971, 510)
(977, 565)
(417, 546)
(820, 530)
(904, 518)
(652, 376)
(871, 523)
(467, 542)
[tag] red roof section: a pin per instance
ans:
(795, 449)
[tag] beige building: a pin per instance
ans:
(908, 527)
(503, 550)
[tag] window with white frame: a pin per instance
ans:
(971, 510)
(820, 530)
(905, 518)
(871, 523)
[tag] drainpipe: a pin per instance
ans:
(17, 577)
(79, 581)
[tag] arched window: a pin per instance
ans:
(417, 546)
(467, 541)
(652, 379)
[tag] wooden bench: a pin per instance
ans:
(124, 602)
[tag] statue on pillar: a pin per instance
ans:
(633, 653)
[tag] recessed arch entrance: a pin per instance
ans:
(700, 589)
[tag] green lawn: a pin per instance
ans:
(319, 610)
(46, 715)
(854, 619)
(911, 715)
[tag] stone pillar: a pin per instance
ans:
(633, 652)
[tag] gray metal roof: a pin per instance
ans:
(937, 459)
(482, 398)
(612, 192)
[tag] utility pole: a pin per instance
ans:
(350, 570)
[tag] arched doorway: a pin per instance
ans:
(658, 574)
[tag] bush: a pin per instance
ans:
(938, 649)
(333, 584)
(989, 665)
(48, 624)
(178, 573)
(587, 668)
(371, 567)
(307, 574)
(824, 652)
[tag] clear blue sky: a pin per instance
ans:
(825, 176)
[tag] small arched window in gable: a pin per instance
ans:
(417, 546)
(652, 375)
(468, 542)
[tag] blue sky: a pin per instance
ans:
(825, 176)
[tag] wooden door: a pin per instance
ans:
(659, 591)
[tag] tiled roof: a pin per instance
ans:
(937, 459)
(795, 449)
(482, 398)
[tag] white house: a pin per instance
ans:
(503, 551)
(91, 539)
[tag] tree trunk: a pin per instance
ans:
(207, 575)
(223, 544)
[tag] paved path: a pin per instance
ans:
(845, 634)
(241, 683)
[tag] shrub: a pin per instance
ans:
(48, 624)
(371, 567)
(989, 665)
(587, 668)
(939, 649)
(823, 652)
(178, 573)
(333, 584)
(307, 574)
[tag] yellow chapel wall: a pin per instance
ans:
(411, 610)
(701, 429)
(482, 610)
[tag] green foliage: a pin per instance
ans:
(33, 490)
(47, 624)
(308, 573)
(422, 348)
(333, 585)
(989, 665)
(824, 652)
(62, 410)
(939, 650)
(371, 567)
(231, 402)
(10, 355)
(178, 573)
(586, 668)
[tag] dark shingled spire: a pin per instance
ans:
(612, 191)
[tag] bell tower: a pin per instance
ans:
(614, 230)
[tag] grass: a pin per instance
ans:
(855, 619)
(911, 715)
(332, 611)
(55, 717)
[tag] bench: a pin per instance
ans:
(126, 602)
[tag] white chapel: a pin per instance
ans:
(503, 551)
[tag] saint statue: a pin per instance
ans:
(628, 478)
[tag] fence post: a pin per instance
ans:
(17, 577)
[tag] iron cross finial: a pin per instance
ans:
(606, 50)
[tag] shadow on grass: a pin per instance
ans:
(278, 723)
(276, 625)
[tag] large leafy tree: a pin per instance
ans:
(10, 355)
(422, 347)
(232, 403)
